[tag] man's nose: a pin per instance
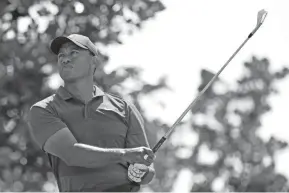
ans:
(66, 60)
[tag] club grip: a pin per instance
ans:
(158, 145)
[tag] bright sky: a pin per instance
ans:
(191, 35)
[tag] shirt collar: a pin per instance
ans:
(65, 95)
(97, 91)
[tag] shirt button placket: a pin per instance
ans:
(85, 111)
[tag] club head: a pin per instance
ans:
(261, 17)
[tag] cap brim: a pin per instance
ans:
(59, 41)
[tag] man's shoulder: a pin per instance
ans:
(42, 107)
(114, 96)
(121, 99)
(46, 102)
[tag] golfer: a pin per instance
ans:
(91, 137)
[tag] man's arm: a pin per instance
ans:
(137, 137)
(64, 145)
(53, 136)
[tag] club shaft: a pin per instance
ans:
(168, 133)
(203, 91)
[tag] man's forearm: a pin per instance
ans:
(88, 156)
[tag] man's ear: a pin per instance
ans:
(93, 61)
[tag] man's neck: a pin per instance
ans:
(81, 89)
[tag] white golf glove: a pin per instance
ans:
(136, 172)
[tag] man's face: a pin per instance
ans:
(74, 63)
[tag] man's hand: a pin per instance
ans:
(141, 173)
(136, 155)
(136, 172)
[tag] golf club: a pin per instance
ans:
(260, 19)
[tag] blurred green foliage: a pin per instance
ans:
(27, 64)
(245, 162)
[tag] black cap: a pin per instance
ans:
(79, 40)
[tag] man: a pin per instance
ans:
(91, 137)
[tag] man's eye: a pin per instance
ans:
(74, 52)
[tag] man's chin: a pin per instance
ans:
(68, 79)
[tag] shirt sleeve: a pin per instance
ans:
(43, 123)
(136, 135)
